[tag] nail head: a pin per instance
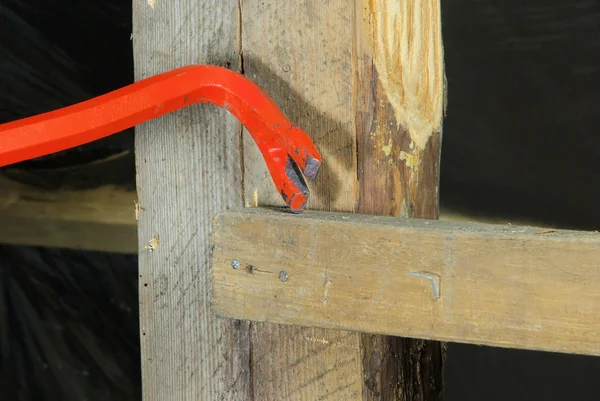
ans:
(283, 276)
(235, 264)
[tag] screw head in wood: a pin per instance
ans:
(283, 276)
(235, 264)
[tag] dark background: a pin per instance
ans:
(519, 142)
(69, 326)
(520, 138)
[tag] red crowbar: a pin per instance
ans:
(287, 150)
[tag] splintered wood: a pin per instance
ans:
(475, 283)
(399, 93)
(405, 39)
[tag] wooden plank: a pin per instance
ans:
(318, 63)
(300, 53)
(100, 219)
(188, 165)
(399, 106)
(506, 286)
(305, 64)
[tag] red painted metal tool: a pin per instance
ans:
(288, 151)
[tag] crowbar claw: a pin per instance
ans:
(288, 151)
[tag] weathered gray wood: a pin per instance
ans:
(304, 55)
(300, 52)
(189, 169)
(507, 286)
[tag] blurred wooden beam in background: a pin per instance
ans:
(101, 219)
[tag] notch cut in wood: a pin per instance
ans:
(498, 285)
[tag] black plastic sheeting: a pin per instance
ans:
(520, 136)
(69, 326)
(57, 53)
(68, 319)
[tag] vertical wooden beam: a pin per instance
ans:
(300, 53)
(189, 169)
(369, 75)
(400, 87)
(316, 61)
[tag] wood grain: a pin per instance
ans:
(303, 54)
(399, 100)
(100, 219)
(189, 169)
(405, 38)
(506, 286)
(300, 53)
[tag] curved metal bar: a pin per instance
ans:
(287, 150)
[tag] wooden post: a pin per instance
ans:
(300, 53)
(189, 169)
(382, 91)
(399, 105)
(324, 65)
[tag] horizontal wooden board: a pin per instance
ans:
(498, 285)
(100, 219)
